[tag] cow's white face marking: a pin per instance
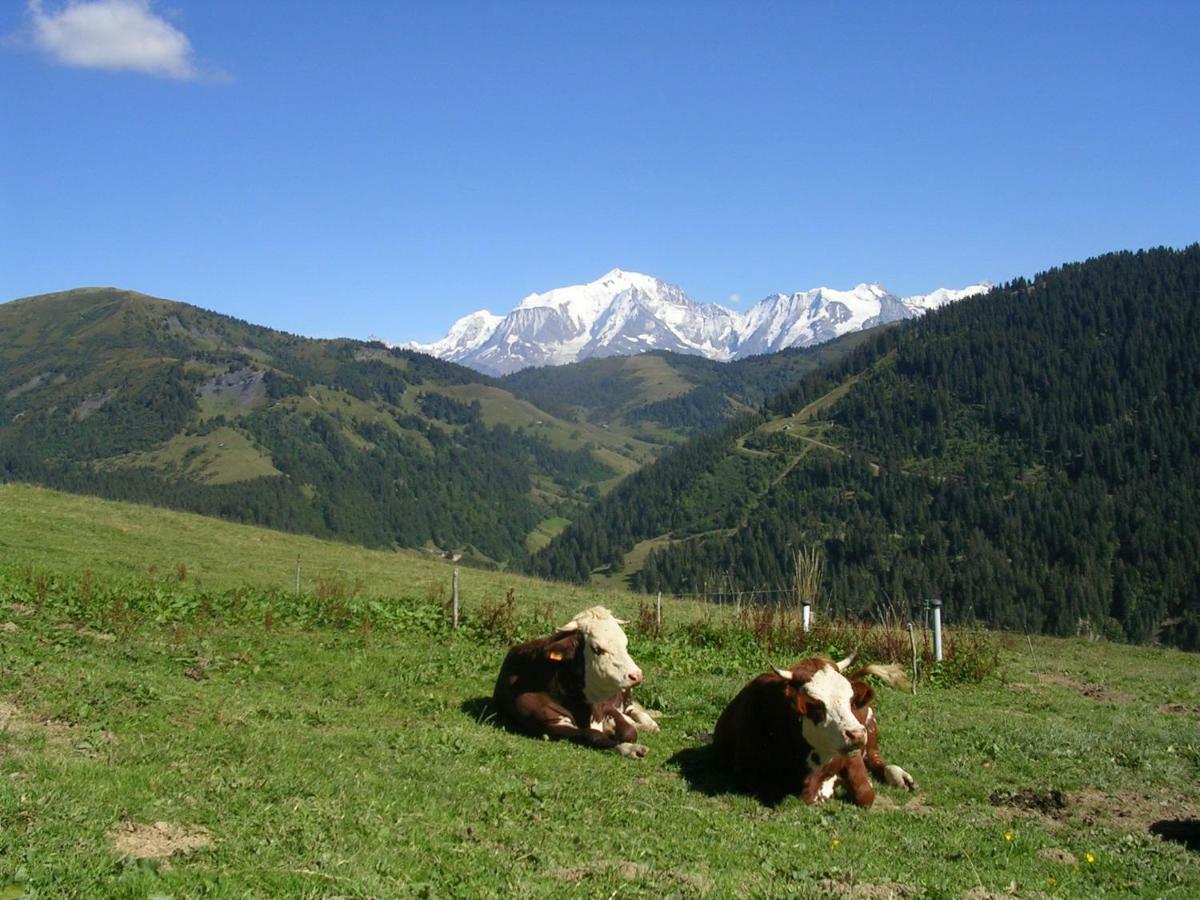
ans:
(840, 731)
(607, 665)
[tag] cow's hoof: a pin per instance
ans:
(897, 777)
(632, 751)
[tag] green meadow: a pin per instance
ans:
(177, 719)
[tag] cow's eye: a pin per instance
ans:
(598, 650)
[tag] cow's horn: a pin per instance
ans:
(570, 626)
(845, 663)
(621, 621)
(785, 674)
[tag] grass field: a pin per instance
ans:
(175, 721)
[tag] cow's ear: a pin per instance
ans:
(561, 650)
(863, 694)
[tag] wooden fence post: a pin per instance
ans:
(658, 612)
(297, 574)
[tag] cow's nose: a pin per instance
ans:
(856, 737)
(635, 677)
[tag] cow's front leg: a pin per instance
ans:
(611, 723)
(542, 714)
(854, 771)
(641, 716)
(897, 777)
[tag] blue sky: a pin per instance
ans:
(385, 167)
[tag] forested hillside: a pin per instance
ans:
(1031, 456)
(675, 394)
(132, 397)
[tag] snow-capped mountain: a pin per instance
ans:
(623, 313)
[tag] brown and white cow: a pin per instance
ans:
(574, 685)
(795, 731)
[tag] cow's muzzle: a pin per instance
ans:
(855, 739)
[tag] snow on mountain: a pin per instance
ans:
(624, 313)
(925, 302)
(465, 335)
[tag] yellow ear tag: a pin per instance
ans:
(555, 656)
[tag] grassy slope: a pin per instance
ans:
(98, 337)
(326, 761)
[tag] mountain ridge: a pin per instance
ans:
(624, 313)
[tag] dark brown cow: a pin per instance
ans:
(574, 685)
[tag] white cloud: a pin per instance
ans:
(735, 299)
(113, 34)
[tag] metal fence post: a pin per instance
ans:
(937, 629)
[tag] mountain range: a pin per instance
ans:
(626, 313)
(1031, 457)
(133, 397)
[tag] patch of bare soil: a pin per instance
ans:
(983, 893)
(158, 841)
(1132, 809)
(1048, 803)
(1126, 811)
(915, 805)
(84, 631)
(1181, 709)
(865, 890)
(58, 732)
(1058, 855)
(1096, 692)
(630, 871)
(12, 719)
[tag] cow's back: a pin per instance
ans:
(532, 668)
(755, 739)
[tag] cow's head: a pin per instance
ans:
(607, 665)
(823, 699)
